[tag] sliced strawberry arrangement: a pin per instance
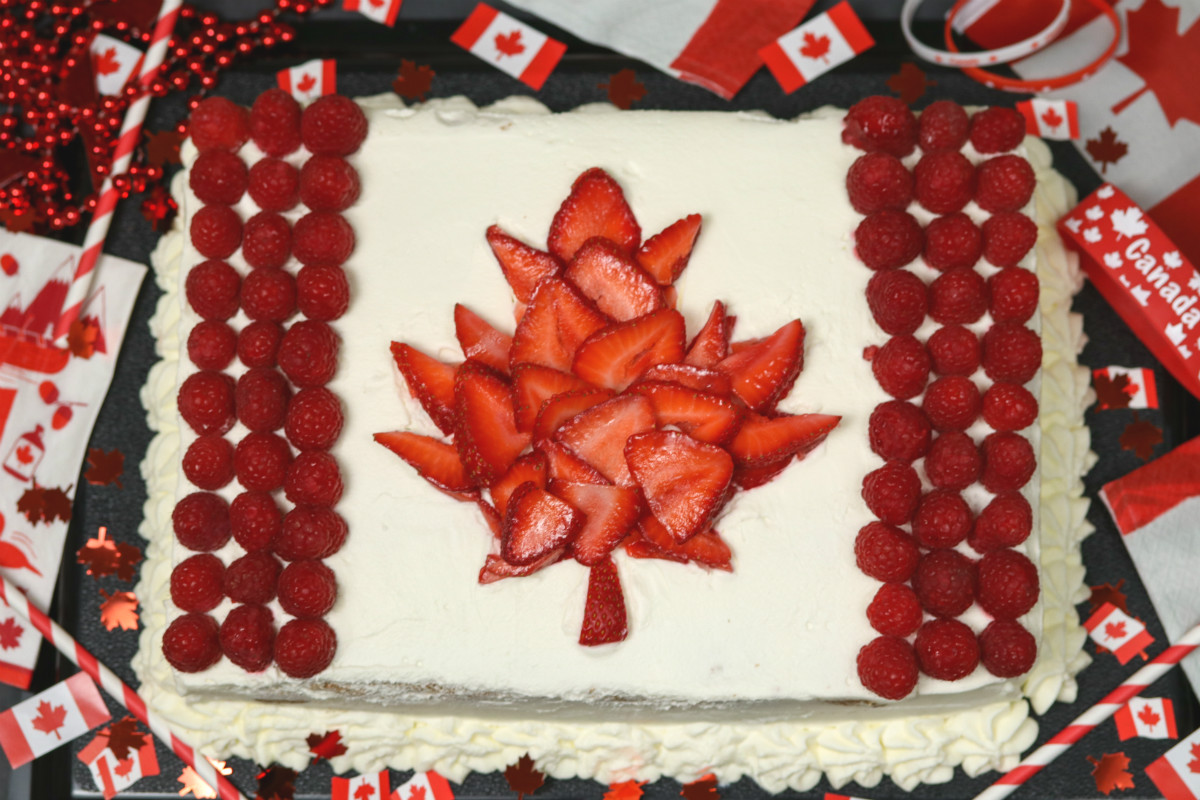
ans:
(529, 468)
(430, 381)
(536, 523)
(686, 482)
(764, 370)
(604, 619)
(485, 431)
(764, 441)
(481, 341)
(707, 417)
(711, 344)
(524, 267)
(556, 322)
(613, 281)
(618, 355)
(566, 406)
(534, 384)
(610, 513)
(665, 255)
(595, 207)
(598, 435)
(436, 461)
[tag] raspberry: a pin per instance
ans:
(881, 124)
(305, 647)
(258, 343)
(1012, 294)
(1007, 237)
(898, 300)
(218, 177)
(328, 183)
(951, 403)
(1007, 649)
(957, 297)
(954, 350)
(206, 402)
(201, 522)
(888, 239)
(248, 636)
(208, 462)
(262, 399)
(314, 419)
(946, 649)
(942, 125)
(1008, 583)
(1004, 183)
(943, 182)
(902, 367)
(1011, 352)
(877, 181)
(333, 126)
(1009, 407)
(1005, 522)
(891, 492)
(262, 461)
(308, 353)
(322, 292)
(211, 345)
(307, 589)
(945, 582)
(212, 290)
(191, 643)
(952, 241)
(321, 237)
(253, 578)
(888, 667)
(275, 122)
(216, 231)
(898, 431)
(886, 553)
(274, 185)
(996, 129)
(196, 583)
(1008, 462)
(313, 479)
(219, 124)
(269, 295)
(943, 519)
(255, 520)
(953, 461)
(267, 240)
(310, 532)
(895, 610)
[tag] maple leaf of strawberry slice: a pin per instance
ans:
(496, 568)
(604, 617)
(481, 341)
(665, 255)
(685, 481)
(613, 281)
(486, 432)
(706, 548)
(753, 477)
(598, 435)
(711, 344)
(430, 382)
(698, 378)
(556, 322)
(595, 207)
(566, 466)
(536, 523)
(565, 406)
(610, 512)
(534, 384)
(707, 417)
(524, 267)
(529, 468)
(763, 371)
(617, 356)
(764, 441)
(433, 459)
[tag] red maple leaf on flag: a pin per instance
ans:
(106, 63)
(417, 793)
(1115, 630)
(10, 634)
(50, 718)
(364, 791)
(1106, 149)
(1194, 764)
(306, 83)
(375, 3)
(509, 44)
(1111, 772)
(326, 745)
(1148, 717)
(1052, 118)
(815, 46)
(1165, 59)
(124, 767)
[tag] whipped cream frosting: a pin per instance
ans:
(743, 674)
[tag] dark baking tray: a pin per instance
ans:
(368, 57)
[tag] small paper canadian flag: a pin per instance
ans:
(424, 786)
(1142, 389)
(1147, 717)
(113, 62)
(832, 796)
(114, 774)
(310, 80)
(52, 718)
(362, 787)
(509, 45)
(1050, 119)
(1116, 631)
(809, 51)
(381, 11)
(1177, 773)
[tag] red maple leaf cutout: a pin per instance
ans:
(124, 737)
(910, 82)
(1148, 717)
(24, 454)
(40, 504)
(119, 610)
(364, 791)
(1165, 59)
(417, 793)
(1114, 630)
(124, 766)
(1112, 392)
(1052, 118)
(106, 63)
(1141, 436)
(50, 718)
(100, 555)
(193, 783)
(626, 790)
(1111, 772)
(162, 147)
(129, 556)
(523, 778)
(326, 745)
(105, 467)
(276, 783)
(413, 80)
(376, 3)
(624, 89)
(306, 83)
(10, 634)
(815, 46)
(81, 338)
(1194, 764)
(509, 44)
(1106, 149)
(704, 788)
(1108, 593)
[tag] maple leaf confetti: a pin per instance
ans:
(105, 467)
(103, 557)
(509, 44)
(1141, 436)
(50, 718)
(1111, 772)
(277, 783)
(41, 504)
(10, 634)
(162, 147)
(194, 784)
(704, 788)
(910, 82)
(624, 89)
(413, 81)
(119, 610)
(1106, 149)
(1112, 392)
(328, 745)
(81, 338)
(626, 790)
(124, 736)
(523, 778)
(1194, 764)
(1108, 593)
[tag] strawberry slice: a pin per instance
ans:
(536, 523)
(598, 435)
(524, 267)
(666, 254)
(604, 618)
(566, 466)
(762, 441)
(481, 341)
(429, 381)
(698, 378)
(610, 513)
(496, 568)
(686, 482)
(433, 459)
(706, 548)
(556, 322)
(613, 281)
(617, 355)
(753, 477)
(711, 344)
(486, 432)
(531, 467)
(700, 415)
(534, 384)
(764, 371)
(490, 516)
(595, 207)
(562, 407)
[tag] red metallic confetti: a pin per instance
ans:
(276, 783)
(194, 784)
(626, 790)
(1108, 593)
(624, 89)
(42, 504)
(523, 778)
(413, 80)
(105, 467)
(81, 338)
(162, 147)
(119, 610)
(1141, 436)
(105, 557)
(327, 745)
(704, 788)
(1111, 772)
(910, 82)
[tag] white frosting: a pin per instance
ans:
(766, 654)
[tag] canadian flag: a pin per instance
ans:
(381, 11)
(1142, 388)
(1050, 119)
(1147, 717)
(832, 796)
(309, 80)
(1114, 630)
(1177, 773)
(50, 719)
(424, 786)
(509, 45)
(362, 787)
(817, 46)
(113, 62)
(19, 645)
(114, 775)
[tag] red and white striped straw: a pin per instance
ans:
(1134, 685)
(131, 129)
(87, 662)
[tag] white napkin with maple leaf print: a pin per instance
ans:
(711, 43)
